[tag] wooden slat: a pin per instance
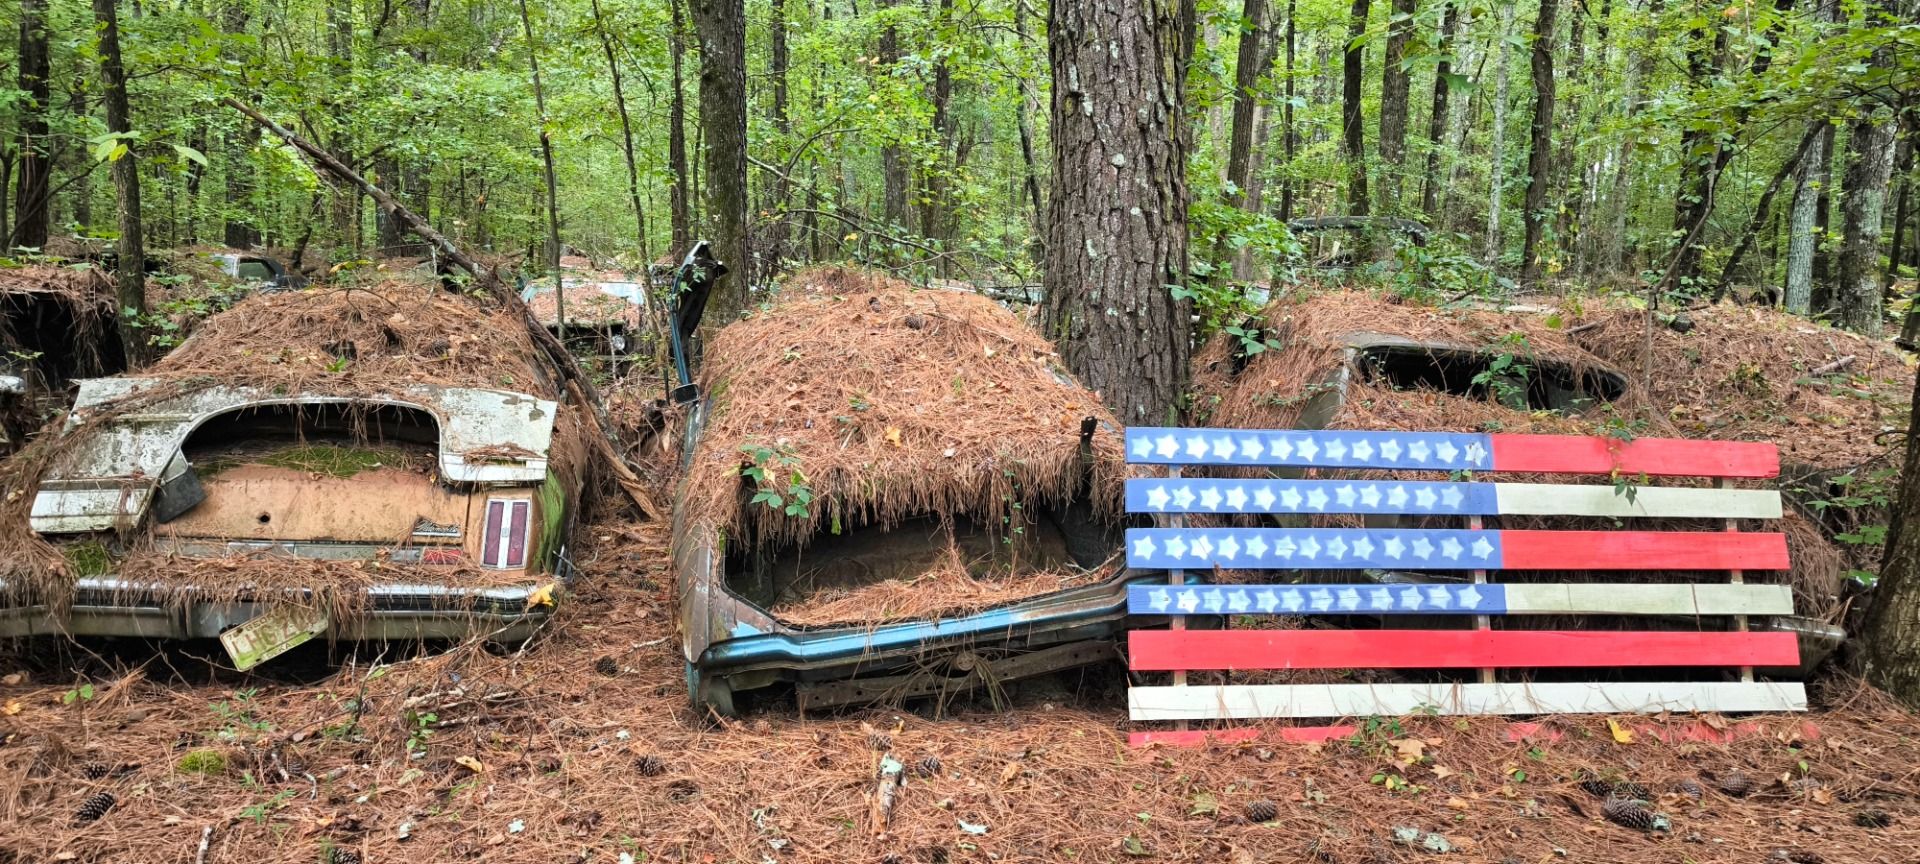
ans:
(1564, 499)
(1657, 457)
(1442, 498)
(1257, 701)
(1161, 650)
(1521, 730)
(1450, 549)
(1648, 599)
(1642, 550)
(1462, 599)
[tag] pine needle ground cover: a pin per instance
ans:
(541, 756)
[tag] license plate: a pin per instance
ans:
(272, 634)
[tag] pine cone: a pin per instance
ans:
(650, 765)
(95, 770)
(1262, 811)
(928, 766)
(880, 741)
(1597, 787)
(1633, 814)
(342, 855)
(607, 666)
(1691, 788)
(93, 808)
(1737, 784)
(1632, 791)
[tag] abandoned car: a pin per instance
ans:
(356, 504)
(892, 493)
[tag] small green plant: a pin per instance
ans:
(1507, 374)
(82, 693)
(419, 731)
(259, 812)
(1627, 485)
(236, 716)
(203, 762)
(778, 481)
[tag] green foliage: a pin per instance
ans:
(205, 762)
(82, 693)
(1506, 376)
(777, 479)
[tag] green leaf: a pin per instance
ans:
(190, 154)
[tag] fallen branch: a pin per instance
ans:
(1835, 366)
(206, 839)
(880, 809)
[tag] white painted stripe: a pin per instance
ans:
(1649, 599)
(1563, 499)
(1253, 702)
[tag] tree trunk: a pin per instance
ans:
(130, 267)
(1891, 637)
(33, 194)
(1802, 233)
(893, 164)
(626, 131)
(1117, 226)
(1613, 253)
(680, 212)
(1761, 210)
(1567, 185)
(1395, 82)
(1437, 118)
(552, 261)
(777, 230)
(1246, 80)
(1903, 168)
(1289, 136)
(933, 183)
(1037, 246)
(1540, 144)
(722, 28)
(1822, 292)
(1353, 131)
(1864, 190)
(1497, 152)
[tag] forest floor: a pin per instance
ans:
(540, 755)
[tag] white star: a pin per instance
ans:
(1210, 497)
(1481, 548)
(1470, 598)
(1229, 548)
(1189, 601)
(1418, 450)
(1291, 600)
(1393, 547)
(1440, 596)
(1316, 498)
(1322, 599)
(1176, 548)
(1397, 496)
(1336, 449)
(1424, 497)
(1237, 601)
(1263, 496)
(1362, 451)
(1363, 548)
(1250, 448)
(1223, 448)
(1410, 597)
(1450, 548)
(1197, 447)
(1166, 446)
(1213, 601)
(1476, 454)
(1309, 547)
(1143, 548)
(1290, 497)
(1390, 449)
(1162, 598)
(1450, 496)
(1381, 598)
(1266, 600)
(1370, 495)
(1278, 446)
(1446, 451)
(1345, 495)
(1157, 497)
(1349, 599)
(1201, 548)
(1307, 450)
(1337, 547)
(1237, 497)
(1422, 548)
(1183, 496)
(1256, 547)
(1283, 547)
(1142, 446)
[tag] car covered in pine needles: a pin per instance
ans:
(891, 493)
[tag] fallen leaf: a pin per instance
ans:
(1823, 796)
(1459, 803)
(893, 435)
(13, 707)
(1008, 773)
(1442, 772)
(15, 679)
(541, 596)
(1411, 750)
(1621, 734)
(471, 764)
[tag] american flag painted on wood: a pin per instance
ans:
(1462, 566)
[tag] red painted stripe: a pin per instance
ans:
(1658, 457)
(1642, 550)
(1163, 650)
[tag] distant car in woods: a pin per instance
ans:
(263, 270)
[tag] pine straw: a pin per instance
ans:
(948, 590)
(896, 402)
(353, 343)
(560, 746)
(587, 306)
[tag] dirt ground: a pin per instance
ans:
(540, 755)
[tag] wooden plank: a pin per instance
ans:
(1451, 549)
(1259, 701)
(1657, 457)
(1688, 731)
(1161, 650)
(1566, 499)
(1310, 448)
(1647, 599)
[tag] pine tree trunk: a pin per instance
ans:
(1437, 117)
(1640, 68)
(130, 269)
(1497, 150)
(1352, 128)
(1540, 143)
(1117, 222)
(1395, 82)
(626, 130)
(1246, 79)
(1028, 106)
(680, 212)
(778, 61)
(1289, 135)
(552, 259)
(722, 28)
(1891, 637)
(893, 163)
(1797, 295)
(1864, 190)
(33, 194)
(1567, 185)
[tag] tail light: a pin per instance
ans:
(504, 542)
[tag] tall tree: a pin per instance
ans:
(1289, 134)
(893, 161)
(626, 129)
(1117, 223)
(1700, 162)
(1497, 161)
(130, 268)
(33, 194)
(1857, 301)
(552, 260)
(1540, 143)
(1396, 80)
(777, 67)
(1803, 231)
(679, 171)
(1246, 79)
(1437, 117)
(1352, 120)
(722, 28)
